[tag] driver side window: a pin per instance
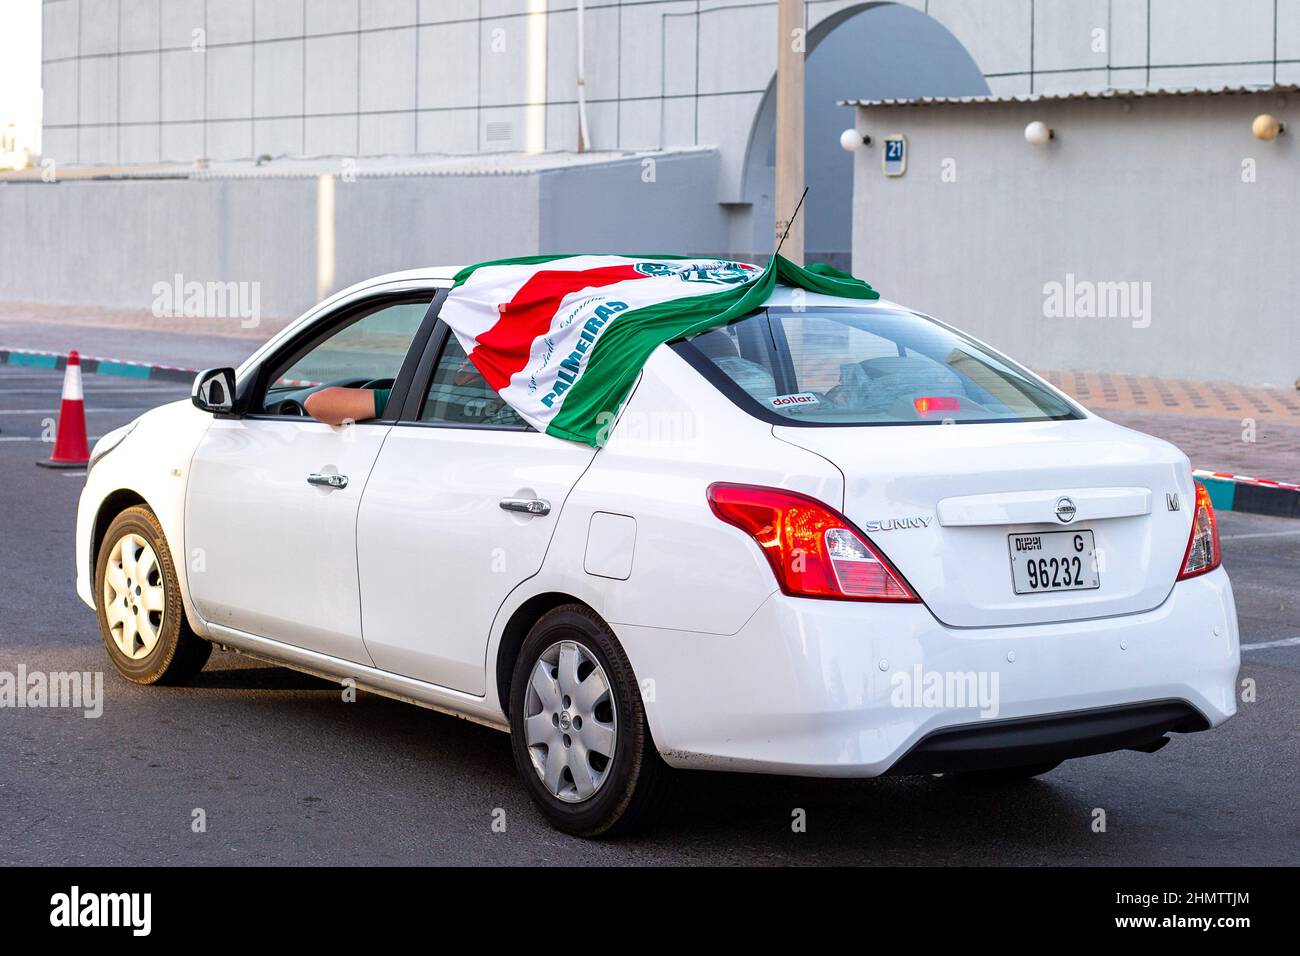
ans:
(366, 352)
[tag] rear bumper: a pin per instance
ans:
(834, 688)
(1049, 739)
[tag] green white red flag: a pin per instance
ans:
(563, 338)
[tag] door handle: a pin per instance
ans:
(527, 506)
(327, 481)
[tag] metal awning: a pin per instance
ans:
(1109, 94)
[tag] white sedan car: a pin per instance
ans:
(833, 538)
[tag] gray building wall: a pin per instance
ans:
(109, 243)
(370, 77)
(1170, 192)
(141, 81)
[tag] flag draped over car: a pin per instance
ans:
(563, 338)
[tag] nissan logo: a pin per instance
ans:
(1065, 510)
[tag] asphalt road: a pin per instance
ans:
(285, 772)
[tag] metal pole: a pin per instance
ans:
(789, 125)
(584, 136)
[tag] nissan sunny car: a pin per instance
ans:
(831, 538)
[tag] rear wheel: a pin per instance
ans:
(578, 729)
(138, 600)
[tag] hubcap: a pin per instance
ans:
(570, 724)
(134, 599)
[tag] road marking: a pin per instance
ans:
(1285, 642)
(1257, 534)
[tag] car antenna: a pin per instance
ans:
(789, 223)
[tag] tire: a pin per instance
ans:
(590, 793)
(1007, 774)
(148, 640)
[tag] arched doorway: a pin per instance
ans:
(867, 51)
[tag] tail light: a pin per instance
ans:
(814, 550)
(1203, 546)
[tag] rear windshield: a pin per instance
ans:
(849, 366)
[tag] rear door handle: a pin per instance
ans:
(328, 481)
(527, 506)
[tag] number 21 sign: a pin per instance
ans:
(893, 155)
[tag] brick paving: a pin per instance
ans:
(1220, 444)
(1240, 429)
(1112, 390)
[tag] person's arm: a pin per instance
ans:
(336, 405)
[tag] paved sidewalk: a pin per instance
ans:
(136, 336)
(1106, 390)
(139, 320)
(1221, 427)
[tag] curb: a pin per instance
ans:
(92, 365)
(1252, 495)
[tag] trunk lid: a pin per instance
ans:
(942, 503)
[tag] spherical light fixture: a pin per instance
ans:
(1038, 133)
(851, 140)
(1266, 127)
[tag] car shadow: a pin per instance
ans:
(726, 817)
(937, 820)
(259, 678)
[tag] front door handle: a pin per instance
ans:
(527, 506)
(328, 481)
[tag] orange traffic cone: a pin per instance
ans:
(70, 447)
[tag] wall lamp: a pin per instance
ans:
(1266, 127)
(851, 140)
(1039, 133)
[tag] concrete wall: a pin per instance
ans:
(893, 51)
(1171, 192)
(131, 81)
(371, 77)
(665, 204)
(108, 243)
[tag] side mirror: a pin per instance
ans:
(214, 390)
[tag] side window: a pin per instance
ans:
(458, 394)
(818, 346)
(366, 352)
(747, 363)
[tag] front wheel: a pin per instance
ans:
(578, 729)
(138, 600)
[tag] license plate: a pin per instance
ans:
(1054, 561)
